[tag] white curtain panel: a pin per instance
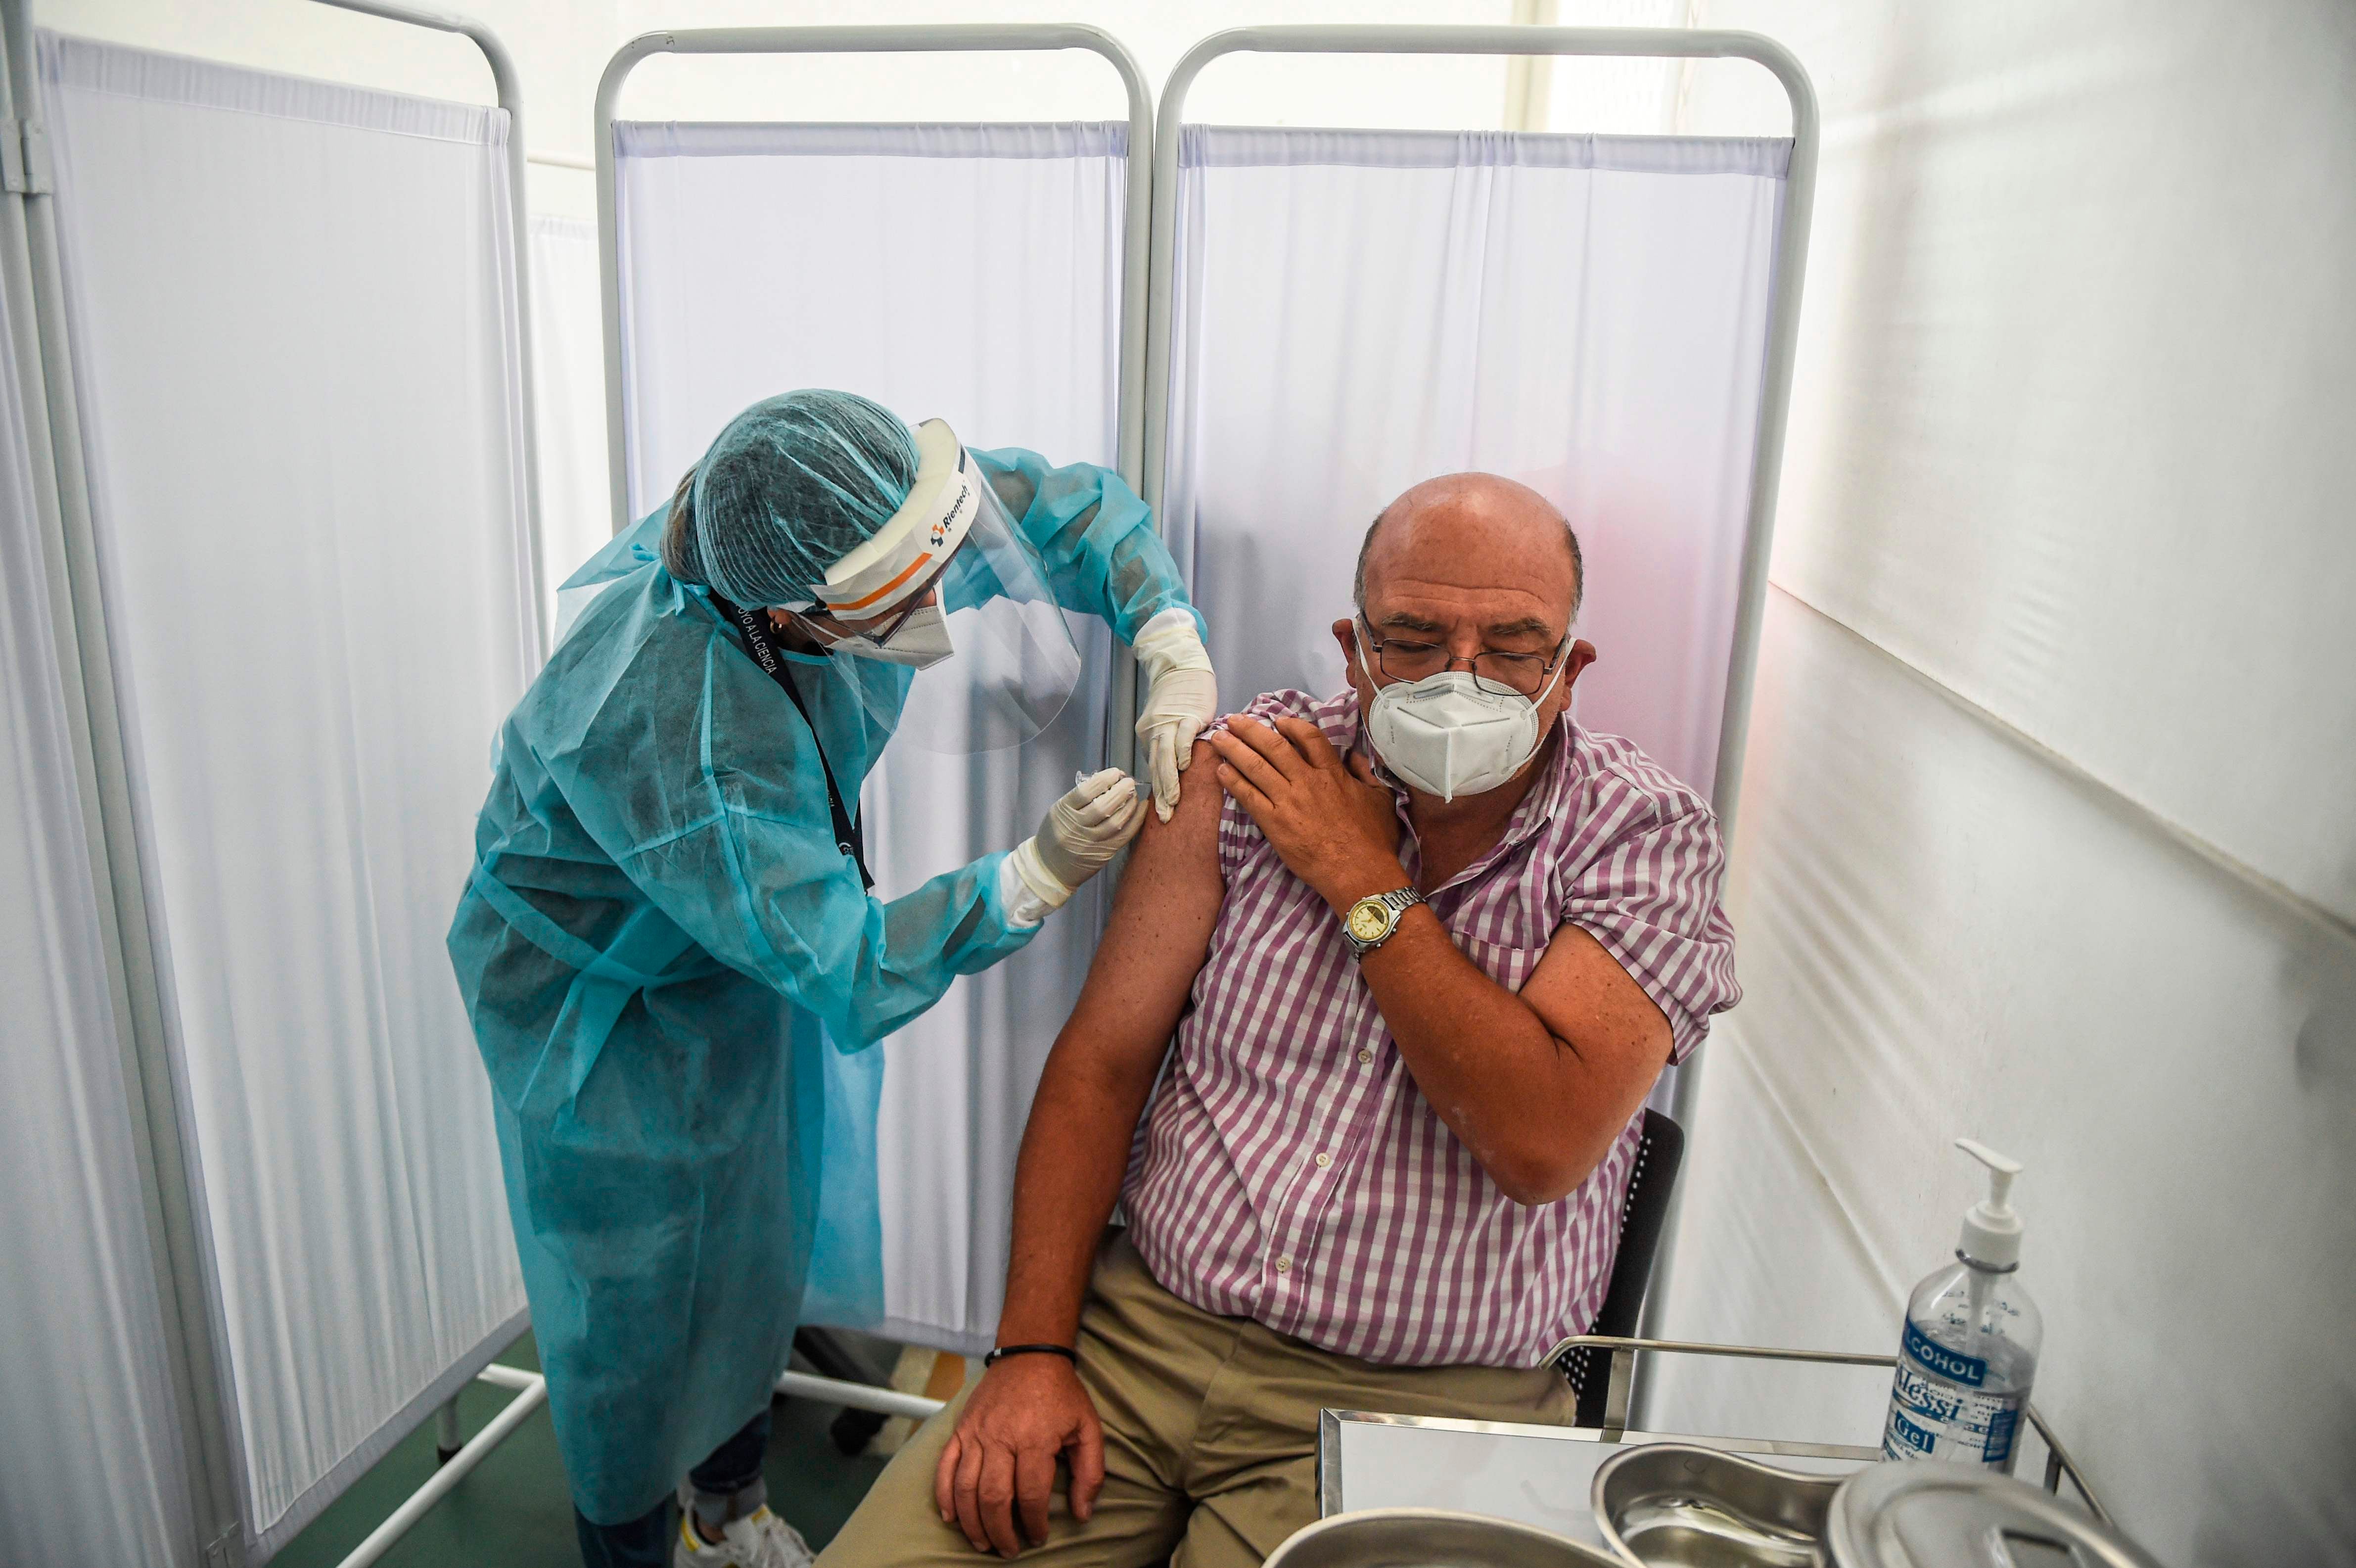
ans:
(568, 352)
(294, 321)
(2047, 835)
(969, 272)
(1359, 310)
(90, 1466)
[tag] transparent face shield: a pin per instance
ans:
(951, 561)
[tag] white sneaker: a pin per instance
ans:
(759, 1539)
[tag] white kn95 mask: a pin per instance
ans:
(1447, 736)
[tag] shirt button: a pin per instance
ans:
(1365, 1056)
(1324, 1160)
(1284, 1264)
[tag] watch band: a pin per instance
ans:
(1392, 906)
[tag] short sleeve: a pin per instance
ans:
(1649, 894)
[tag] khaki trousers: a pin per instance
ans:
(1210, 1434)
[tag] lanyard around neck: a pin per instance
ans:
(755, 627)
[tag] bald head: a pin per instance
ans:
(1476, 530)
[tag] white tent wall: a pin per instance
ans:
(2046, 835)
(559, 45)
(92, 1466)
(296, 358)
(1012, 333)
(1629, 96)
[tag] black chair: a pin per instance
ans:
(1659, 1152)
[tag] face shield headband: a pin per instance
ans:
(988, 661)
(909, 551)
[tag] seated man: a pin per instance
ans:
(1386, 1167)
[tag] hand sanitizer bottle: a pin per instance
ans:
(1969, 1352)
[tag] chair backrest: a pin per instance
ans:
(1660, 1150)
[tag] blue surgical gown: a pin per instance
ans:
(663, 954)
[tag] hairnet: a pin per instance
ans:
(794, 483)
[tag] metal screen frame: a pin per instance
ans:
(31, 269)
(915, 39)
(509, 89)
(1783, 324)
(1129, 377)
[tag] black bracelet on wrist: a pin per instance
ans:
(1003, 1351)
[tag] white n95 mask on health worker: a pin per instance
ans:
(1447, 734)
(920, 641)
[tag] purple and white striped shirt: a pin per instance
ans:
(1289, 1171)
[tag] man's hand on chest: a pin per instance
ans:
(1332, 822)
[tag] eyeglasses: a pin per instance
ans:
(836, 631)
(1494, 670)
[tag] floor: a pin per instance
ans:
(512, 1511)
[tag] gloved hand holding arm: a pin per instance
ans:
(1097, 540)
(1181, 695)
(1081, 835)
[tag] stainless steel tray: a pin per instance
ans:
(1538, 1475)
(1430, 1537)
(1677, 1504)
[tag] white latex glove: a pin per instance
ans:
(1082, 834)
(1182, 697)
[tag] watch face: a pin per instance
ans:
(1369, 920)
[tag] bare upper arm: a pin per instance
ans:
(1154, 943)
(1594, 1007)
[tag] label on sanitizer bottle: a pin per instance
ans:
(1941, 1407)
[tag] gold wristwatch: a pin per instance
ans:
(1372, 919)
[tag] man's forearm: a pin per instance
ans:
(1534, 1081)
(1484, 1059)
(1066, 1180)
(1506, 1086)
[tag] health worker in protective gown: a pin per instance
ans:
(669, 945)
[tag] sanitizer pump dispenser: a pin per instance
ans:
(1969, 1351)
